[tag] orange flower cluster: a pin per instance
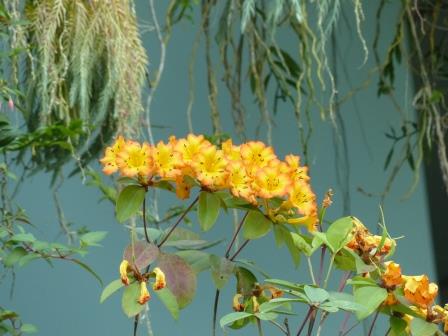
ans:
(417, 289)
(250, 171)
(367, 245)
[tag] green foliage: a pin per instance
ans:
(129, 202)
(256, 225)
(129, 301)
(208, 210)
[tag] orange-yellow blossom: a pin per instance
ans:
(166, 160)
(239, 182)
(256, 155)
(392, 275)
(237, 305)
(231, 152)
(419, 291)
(209, 167)
(124, 268)
(135, 159)
(296, 172)
(160, 279)
(144, 294)
(269, 182)
(190, 147)
(109, 161)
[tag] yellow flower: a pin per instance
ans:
(392, 275)
(124, 268)
(239, 182)
(166, 160)
(296, 172)
(269, 182)
(160, 279)
(231, 152)
(256, 155)
(109, 161)
(390, 300)
(255, 304)
(209, 167)
(182, 187)
(144, 294)
(190, 147)
(419, 291)
(237, 305)
(302, 198)
(135, 159)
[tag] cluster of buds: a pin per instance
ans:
(128, 273)
(250, 171)
(368, 246)
(257, 296)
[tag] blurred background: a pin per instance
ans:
(362, 132)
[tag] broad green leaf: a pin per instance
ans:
(329, 307)
(129, 201)
(268, 306)
(180, 278)
(129, 301)
(169, 301)
(256, 225)
(286, 284)
(28, 258)
(420, 327)
(301, 244)
(361, 281)
(110, 289)
(192, 244)
(284, 236)
(141, 254)
(23, 237)
(92, 238)
(232, 317)
(339, 233)
(397, 326)
(245, 281)
(266, 316)
(371, 297)
(208, 210)
(198, 260)
(14, 256)
(221, 269)
(28, 328)
(316, 294)
(251, 265)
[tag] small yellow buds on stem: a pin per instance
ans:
(160, 279)
(237, 305)
(124, 268)
(144, 294)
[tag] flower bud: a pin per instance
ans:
(144, 294)
(160, 279)
(124, 267)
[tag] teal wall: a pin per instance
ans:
(64, 300)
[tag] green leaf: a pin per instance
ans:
(129, 301)
(169, 301)
(316, 294)
(302, 244)
(338, 234)
(221, 269)
(371, 297)
(256, 225)
(266, 316)
(193, 244)
(110, 289)
(180, 278)
(208, 210)
(245, 281)
(129, 202)
(141, 254)
(232, 317)
(284, 236)
(397, 326)
(23, 237)
(28, 258)
(88, 269)
(14, 256)
(198, 260)
(420, 327)
(92, 238)
(286, 284)
(28, 328)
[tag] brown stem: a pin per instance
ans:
(215, 312)
(178, 222)
(238, 229)
(243, 245)
(312, 320)
(310, 310)
(148, 240)
(373, 323)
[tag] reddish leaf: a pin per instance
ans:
(180, 278)
(143, 254)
